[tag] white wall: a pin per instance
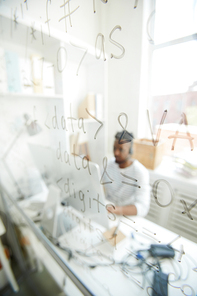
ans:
(128, 86)
(124, 73)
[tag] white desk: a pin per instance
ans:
(115, 282)
(110, 279)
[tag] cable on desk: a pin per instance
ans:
(89, 255)
(157, 252)
(129, 269)
(142, 267)
(72, 255)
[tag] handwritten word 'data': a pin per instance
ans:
(65, 157)
(60, 122)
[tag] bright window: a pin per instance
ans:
(174, 19)
(174, 69)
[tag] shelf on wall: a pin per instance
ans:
(77, 71)
(34, 95)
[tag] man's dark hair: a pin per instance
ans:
(125, 137)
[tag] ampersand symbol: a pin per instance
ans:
(105, 172)
(122, 139)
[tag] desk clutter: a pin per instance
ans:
(147, 264)
(135, 254)
(151, 260)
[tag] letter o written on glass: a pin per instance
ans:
(155, 189)
(61, 59)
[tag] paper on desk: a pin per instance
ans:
(116, 239)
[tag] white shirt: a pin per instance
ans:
(124, 190)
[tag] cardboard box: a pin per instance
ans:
(148, 154)
(89, 104)
(37, 73)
